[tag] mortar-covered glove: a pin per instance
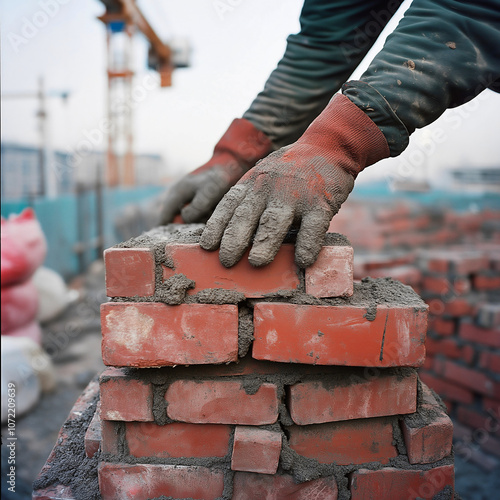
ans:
(301, 184)
(196, 194)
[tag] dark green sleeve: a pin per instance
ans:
(334, 37)
(442, 54)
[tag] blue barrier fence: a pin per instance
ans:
(71, 223)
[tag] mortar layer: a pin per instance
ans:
(70, 465)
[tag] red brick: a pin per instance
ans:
(251, 486)
(347, 442)
(120, 481)
(467, 377)
(455, 306)
(332, 273)
(392, 213)
(428, 436)
(146, 334)
(473, 333)
(442, 326)
(109, 437)
(256, 450)
(316, 402)
(487, 281)
(488, 422)
(374, 262)
(124, 398)
(447, 389)
(339, 335)
(428, 363)
(456, 262)
(129, 272)
(443, 284)
(492, 407)
(397, 484)
(206, 270)
(490, 361)
(148, 439)
(221, 402)
(449, 348)
(92, 439)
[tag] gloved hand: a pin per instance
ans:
(304, 183)
(238, 150)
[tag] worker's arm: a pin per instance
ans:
(442, 54)
(334, 36)
(333, 39)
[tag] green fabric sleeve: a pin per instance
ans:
(333, 39)
(442, 54)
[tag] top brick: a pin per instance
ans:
(130, 272)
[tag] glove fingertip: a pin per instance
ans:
(305, 257)
(207, 241)
(190, 214)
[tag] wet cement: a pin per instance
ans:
(71, 467)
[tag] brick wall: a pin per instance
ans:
(453, 261)
(244, 383)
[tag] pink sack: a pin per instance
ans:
(31, 330)
(19, 305)
(23, 247)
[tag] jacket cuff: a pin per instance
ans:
(373, 104)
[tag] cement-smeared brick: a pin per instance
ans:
(347, 442)
(147, 334)
(205, 269)
(339, 335)
(221, 402)
(347, 398)
(129, 272)
(256, 450)
(120, 481)
(394, 484)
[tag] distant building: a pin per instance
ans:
(21, 175)
(481, 180)
(150, 169)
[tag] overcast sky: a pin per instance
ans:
(234, 50)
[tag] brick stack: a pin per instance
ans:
(462, 288)
(252, 383)
(461, 285)
(376, 226)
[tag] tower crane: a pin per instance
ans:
(123, 18)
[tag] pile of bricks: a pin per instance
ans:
(252, 383)
(461, 285)
(376, 226)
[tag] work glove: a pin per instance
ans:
(303, 184)
(196, 194)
